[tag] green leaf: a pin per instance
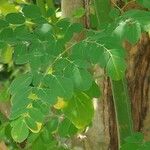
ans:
(135, 138)
(79, 51)
(39, 21)
(114, 13)
(94, 91)
(20, 102)
(3, 24)
(34, 126)
(82, 79)
(7, 34)
(44, 31)
(46, 95)
(129, 146)
(19, 130)
(73, 28)
(31, 11)
(141, 16)
(43, 107)
(34, 119)
(39, 56)
(145, 3)
(6, 54)
(36, 114)
(21, 33)
(20, 83)
(116, 65)
(21, 55)
(52, 125)
(79, 12)
(79, 110)
(15, 18)
(119, 31)
(133, 32)
(60, 86)
(66, 128)
(145, 146)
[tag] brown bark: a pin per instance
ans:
(139, 81)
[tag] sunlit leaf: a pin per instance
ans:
(79, 110)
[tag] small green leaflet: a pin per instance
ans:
(82, 79)
(79, 12)
(3, 24)
(60, 86)
(15, 18)
(20, 82)
(129, 30)
(21, 55)
(7, 34)
(20, 102)
(94, 91)
(19, 130)
(116, 67)
(34, 119)
(31, 11)
(44, 32)
(79, 110)
(132, 32)
(66, 128)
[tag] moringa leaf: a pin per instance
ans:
(60, 86)
(133, 32)
(31, 11)
(66, 128)
(15, 18)
(20, 82)
(79, 110)
(19, 130)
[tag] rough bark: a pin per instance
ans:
(139, 83)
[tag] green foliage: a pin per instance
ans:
(79, 110)
(145, 3)
(15, 18)
(19, 130)
(52, 98)
(136, 142)
(80, 12)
